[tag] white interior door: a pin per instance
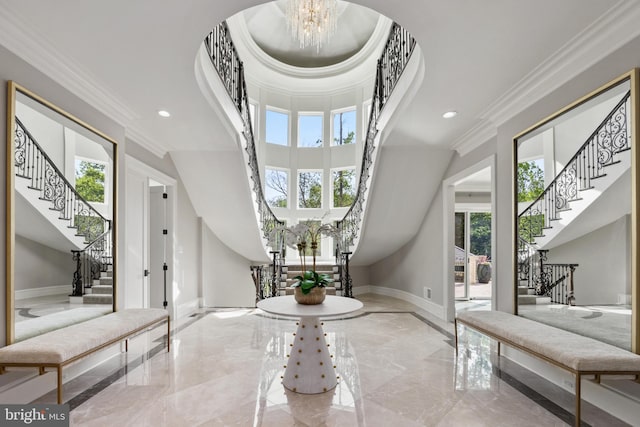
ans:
(136, 286)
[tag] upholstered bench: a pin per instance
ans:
(575, 353)
(59, 348)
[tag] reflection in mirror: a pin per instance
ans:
(62, 178)
(573, 226)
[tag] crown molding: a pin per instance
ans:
(605, 35)
(475, 137)
(39, 53)
(139, 137)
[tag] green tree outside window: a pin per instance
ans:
(90, 177)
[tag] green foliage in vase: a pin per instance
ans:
(311, 279)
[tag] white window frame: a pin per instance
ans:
(311, 113)
(346, 168)
(298, 172)
(281, 111)
(344, 110)
(107, 177)
(275, 168)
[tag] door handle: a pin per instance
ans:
(146, 272)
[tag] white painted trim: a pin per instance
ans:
(448, 209)
(188, 308)
(611, 31)
(138, 136)
(42, 292)
(426, 305)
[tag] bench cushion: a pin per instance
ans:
(574, 351)
(64, 344)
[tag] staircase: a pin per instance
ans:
(590, 187)
(57, 206)
(101, 292)
(292, 270)
(602, 163)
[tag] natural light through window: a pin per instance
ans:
(310, 130)
(344, 127)
(276, 187)
(277, 127)
(344, 187)
(309, 189)
(90, 179)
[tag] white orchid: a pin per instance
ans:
(306, 234)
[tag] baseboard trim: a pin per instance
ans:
(43, 292)
(428, 306)
(188, 308)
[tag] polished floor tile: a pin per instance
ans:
(396, 368)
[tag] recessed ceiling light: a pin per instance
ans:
(449, 114)
(163, 113)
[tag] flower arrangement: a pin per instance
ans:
(307, 235)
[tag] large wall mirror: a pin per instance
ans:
(61, 176)
(575, 216)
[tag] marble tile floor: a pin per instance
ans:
(397, 366)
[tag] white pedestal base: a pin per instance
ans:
(310, 368)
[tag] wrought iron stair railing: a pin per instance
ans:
(552, 280)
(224, 58)
(392, 62)
(227, 63)
(588, 164)
(33, 163)
(91, 261)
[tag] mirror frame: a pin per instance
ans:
(12, 89)
(633, 78)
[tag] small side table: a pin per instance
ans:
(309, 367)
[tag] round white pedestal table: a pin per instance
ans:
(309, 368)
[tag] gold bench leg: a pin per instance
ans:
(59, 385)
(577, 416)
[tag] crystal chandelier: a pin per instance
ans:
(312, 22)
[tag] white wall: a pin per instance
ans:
(187, 255)
(419, 263)
(39, 266)
(604, 269)
(226, 276)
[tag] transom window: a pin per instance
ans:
(344, 127)
(277, 127)
(310, 130)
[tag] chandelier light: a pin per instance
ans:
(312, 22)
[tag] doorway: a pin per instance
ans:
(468, 221)
(472, 268)
(149, 229)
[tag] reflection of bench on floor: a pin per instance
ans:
(575, 353)
(62, 347)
